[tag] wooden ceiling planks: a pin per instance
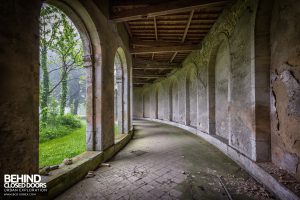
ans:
(164, 32)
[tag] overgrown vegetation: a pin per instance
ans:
(54, 151)
(58, 126)
(62, 88)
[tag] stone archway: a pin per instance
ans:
(92, 52)
(121, 91)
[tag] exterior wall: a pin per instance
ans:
(285, 85)
(20, 79)
(233, 82)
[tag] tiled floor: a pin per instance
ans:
(163, 162)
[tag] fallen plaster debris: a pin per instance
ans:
(90, 174)
(105, 164)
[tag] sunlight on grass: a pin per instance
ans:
(54, 151)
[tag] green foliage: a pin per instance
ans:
(58, 126)
(59, 36)
(54, 151)
(70, 121)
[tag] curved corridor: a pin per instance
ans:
(164, 162)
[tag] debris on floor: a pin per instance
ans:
(224, 186)
(282, 176)
(105, 165)
(90, 174)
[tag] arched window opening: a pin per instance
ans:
(118, 97)
(62, 105)
(121, 118)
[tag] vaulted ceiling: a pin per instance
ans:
(163, 33)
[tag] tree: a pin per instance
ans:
(49, 25)
(68, 47)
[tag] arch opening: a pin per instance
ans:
(121, 125)
(63, 81)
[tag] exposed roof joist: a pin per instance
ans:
(158, 43)
(143, 81)
(163, 9)
(150, 64)
(147, 76)
(185, 33)
(164, 49)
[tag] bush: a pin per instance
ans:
(70, 121)
(58, 126)
(52, 132)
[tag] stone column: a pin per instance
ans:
(19, 86)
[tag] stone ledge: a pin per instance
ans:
(67, 175)
(251, 167)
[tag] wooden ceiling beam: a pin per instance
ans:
(128, 29)
(128, 3)
(164, 49)
(148, 76)
(163, 9)
(142, 81)
(185, 33)
(150, 64)
(158, 43)
(187, 26)
(173, 21)
(173, 56)
(155, 28)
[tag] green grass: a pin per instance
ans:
(116, 131)
(53, 152)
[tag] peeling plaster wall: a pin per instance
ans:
(285, 85)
